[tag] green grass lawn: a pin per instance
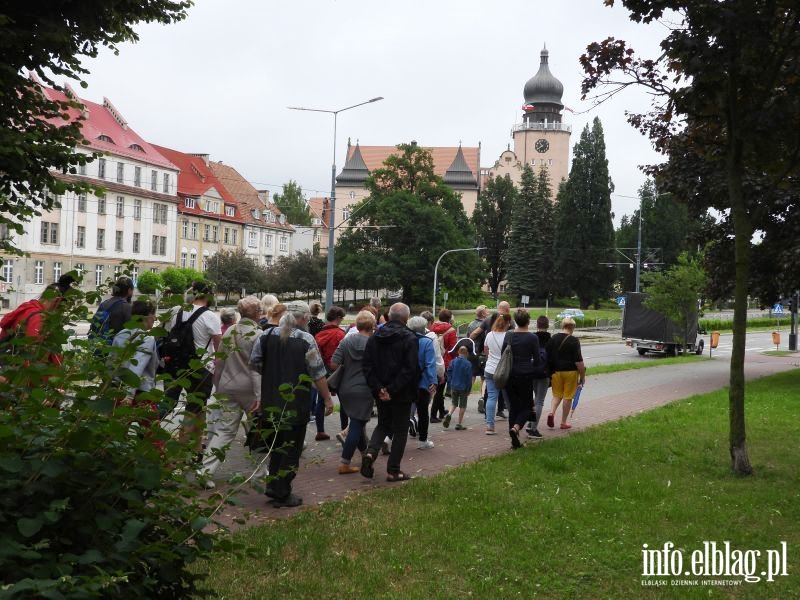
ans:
(566, 518)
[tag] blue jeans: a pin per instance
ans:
(356, 438)
(491, 399)
(539, 394)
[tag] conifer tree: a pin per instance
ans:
(523, 249)
(544, 224)
(584, 229)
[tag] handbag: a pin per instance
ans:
(503, 371)
(335, 379)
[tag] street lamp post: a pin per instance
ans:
(332, 209)
(436, 271)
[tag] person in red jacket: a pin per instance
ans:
(27, 320)
(328, 339)
(447, 337)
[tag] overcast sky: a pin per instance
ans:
(450, 71)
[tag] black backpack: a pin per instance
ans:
(100, 327)
(177, 349)
(542, 370)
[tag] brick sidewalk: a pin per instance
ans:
(605, 398)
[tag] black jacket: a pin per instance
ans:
(391, 362)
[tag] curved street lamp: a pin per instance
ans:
(436, 271)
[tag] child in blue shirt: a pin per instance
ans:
(459, 377)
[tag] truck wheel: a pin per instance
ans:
(700, 345)
(671, 350)
(641, 351)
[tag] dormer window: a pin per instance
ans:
(190, 203)
(104, 138)
(212, 206)
(316, 222)
(230, 211)
(136, 147)
(256, 214)
(283, 219)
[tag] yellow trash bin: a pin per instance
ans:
(776, 338)
(714, 339)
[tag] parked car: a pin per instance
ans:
(575, 313)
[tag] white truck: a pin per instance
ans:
(647, 330)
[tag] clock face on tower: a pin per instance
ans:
(542, 145)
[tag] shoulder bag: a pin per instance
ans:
(503, 371)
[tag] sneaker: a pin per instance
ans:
(435, 420)
(289, 501)
(459, 427)
(551, 422)
(566, 426)
(534, 433)
(426, 445)
(341, 437)
(481, 406)
(412, 427)
(322, 436)
(501, 415)
(490, 431)
(367, 470)
(446, 421)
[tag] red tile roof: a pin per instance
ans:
(196, 177)
(105, 120)
(319, 209)
(443, 156)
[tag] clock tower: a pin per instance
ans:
(542, 139)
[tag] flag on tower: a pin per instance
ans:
(528, 107)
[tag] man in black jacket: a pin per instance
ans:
(392, 373)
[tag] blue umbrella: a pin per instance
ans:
(577, 398)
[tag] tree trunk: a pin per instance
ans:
(743, 232)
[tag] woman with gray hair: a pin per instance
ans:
(354, 393)
(236, 382)
(228, 317)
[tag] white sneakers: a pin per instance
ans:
(426, 445)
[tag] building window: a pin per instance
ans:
(154, 180)
(192, 260)
(117, 271)
(183, 260)
(56, 271)
(120, 172)
(159, 213)
(214, 233)
(120, 206)
(79, 268)
(8, 270)
(189, 202)
(268, 241)
(185, 229)
(212, 206)
(98, 275)
(82, 169)
(136, 237)
(118, 241)
(252, 239)
(154, 248)
(101, 168)
(135, 275)
(268, 260)
(230, 211)
(205, 263)
(345, 214)
(80, 242)
(284, 243)
(165, 189)
(49, 233)
(137, 176)
(38, 272)
(162, 246)
(226, 235)
(101, 239)
(194, 231)
(81, 202)
(206, 232)
(234, 237)
(101, 205)
(137, 209)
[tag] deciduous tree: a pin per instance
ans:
(492, 222)
(292, 203)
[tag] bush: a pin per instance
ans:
(91, 504)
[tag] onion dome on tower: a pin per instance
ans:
(543, 95)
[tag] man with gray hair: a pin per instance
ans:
(282, 355)
(392, 374)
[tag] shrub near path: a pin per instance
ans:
(566, 518)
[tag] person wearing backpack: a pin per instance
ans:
(541, 377)
(191, 334)
(112, 313)
(446, 338)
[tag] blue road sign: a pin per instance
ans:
(620, 301)
(777, 309)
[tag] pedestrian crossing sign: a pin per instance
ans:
(777, 309)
